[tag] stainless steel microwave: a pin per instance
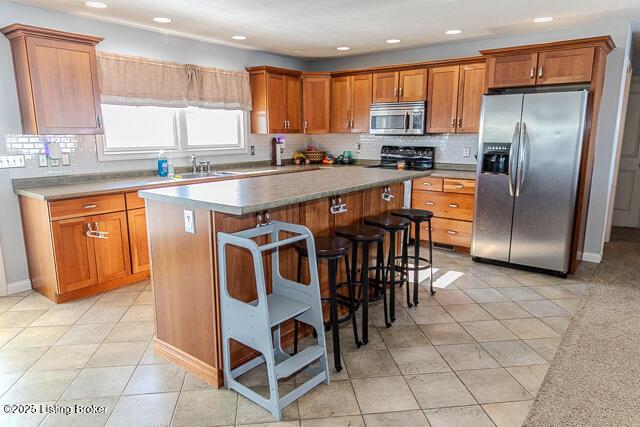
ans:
(397, 118)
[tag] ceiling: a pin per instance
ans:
(315, 28)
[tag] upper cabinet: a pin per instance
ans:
(316, 89)
(351, 98)
(403, 86)
(276, 96)
(556, 63)
(455, 97)
(57, 80)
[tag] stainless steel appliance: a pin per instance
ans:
(410, 158)
(397, 118)
(530, 150)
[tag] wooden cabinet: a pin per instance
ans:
(75, 259)
(276, 97)
(316, 93)
(405, 86)
(452, 203)
(57, 80)
(454, 98)
(541, 67)
(137, 220)
(112, 251)
(350, 102)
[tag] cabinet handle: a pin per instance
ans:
(453, 122)
(459, 121)
(89, 206)
(305, 126)
(99, 120)
(459, 186)
(395, 91)
(454, 205)
(532, 74)
(452, 232)
(428, 184)
(96, 234)
(540, 71)
(430, 203)
(401, 92)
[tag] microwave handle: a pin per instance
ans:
(406, 120)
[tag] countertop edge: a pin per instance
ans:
(238, 210)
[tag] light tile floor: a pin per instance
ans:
(474, 355)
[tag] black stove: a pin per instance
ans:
(414, 158)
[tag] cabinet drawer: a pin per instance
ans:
(445, 205)
(134, 201)
(451, 232)
(73, 208)
(466, 186)
(428, 183)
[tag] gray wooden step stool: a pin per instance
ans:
(257, 324)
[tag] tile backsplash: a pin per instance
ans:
(82, 150)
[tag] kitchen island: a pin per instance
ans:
(183, 255)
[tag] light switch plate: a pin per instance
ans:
(13, 161)
(66, 159)
(189, 222)
(42, 160)
(466, 152)
(252, 150)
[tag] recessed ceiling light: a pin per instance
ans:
(239, 37)
(393, 41)
(343, 48)
(542, 19)
(162, 20)
(96, 4)
(453, 32)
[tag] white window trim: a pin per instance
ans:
(182, 150)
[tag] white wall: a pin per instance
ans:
(608, 120)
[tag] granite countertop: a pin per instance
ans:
(65, 191)
(242, 196)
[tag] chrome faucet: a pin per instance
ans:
(194, 163)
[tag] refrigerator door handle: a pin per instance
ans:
(522, 159)
(512, 175)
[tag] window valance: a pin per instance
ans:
(130, 80)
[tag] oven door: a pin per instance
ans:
(389, 121)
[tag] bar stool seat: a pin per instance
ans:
(387, 222)
(413, 214)
(327, 246)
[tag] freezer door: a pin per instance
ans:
(500, 123)
(549, 161)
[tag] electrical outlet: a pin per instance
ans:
(13, 161)
(358, 147)
(189, 223)
(466, 152)
(66, 159)
(54, 162)
(252, 150)
(42, 160)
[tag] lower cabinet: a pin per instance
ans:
(112, 249)
(452, 203)
(137, 219)
(74, 254)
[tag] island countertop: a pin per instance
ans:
(242, 196)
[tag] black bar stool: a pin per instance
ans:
(332, 249)
(392, 225)
(417, 217)
(365, 236)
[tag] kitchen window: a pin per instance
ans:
(139, 132)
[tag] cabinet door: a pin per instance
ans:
(360, 103)
(64, 79)
(276, 102)
(137, 222)
(385, 87)
(341, 104)
(512, 70)
(442, 99)
(565, 66)
(315, 104)
(471, 88)
(112, 252)
(74, 254)
(294, 104)
(413, 85)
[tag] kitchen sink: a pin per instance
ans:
(205, 175)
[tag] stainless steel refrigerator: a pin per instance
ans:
(528, 162)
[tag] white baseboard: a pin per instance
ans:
(591, 257)
(21, 286)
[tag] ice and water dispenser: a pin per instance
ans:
(495, 158)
